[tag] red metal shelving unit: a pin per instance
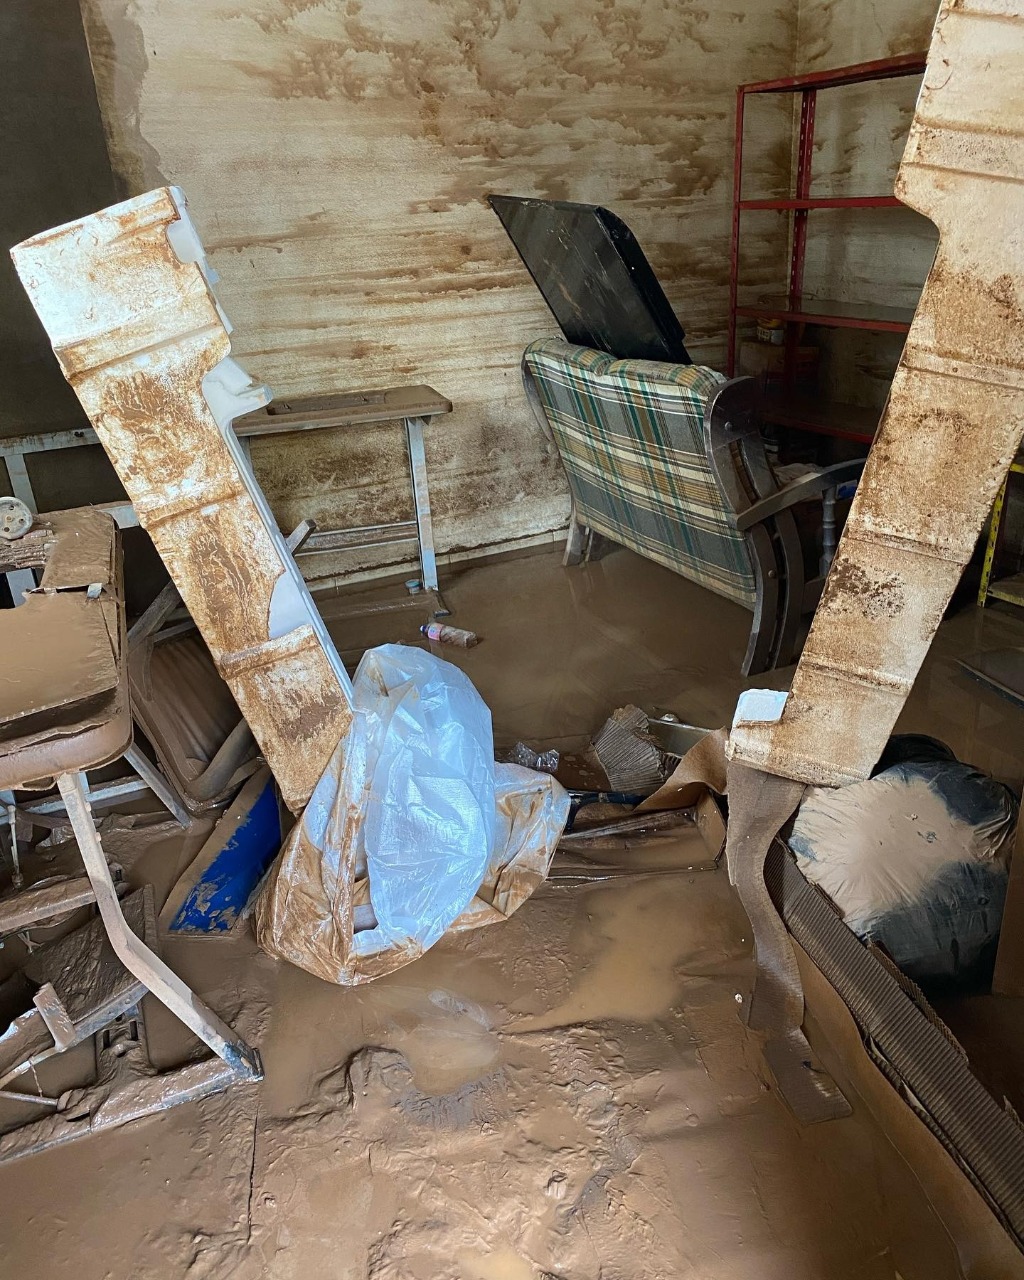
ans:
(786, 407)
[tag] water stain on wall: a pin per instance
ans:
(337, 155)
(118, 55)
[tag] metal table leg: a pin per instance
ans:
(421, 497)
(136, 956)
(20, 580)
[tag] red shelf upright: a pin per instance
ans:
(792, 310)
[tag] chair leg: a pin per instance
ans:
(575, 542)
(159, 785)
(766, 602)
(136, 957)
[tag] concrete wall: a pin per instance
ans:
(336, 154)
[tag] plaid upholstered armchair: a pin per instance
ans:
(668, 460)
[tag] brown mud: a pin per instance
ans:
(567, 1096)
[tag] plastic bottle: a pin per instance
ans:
(440, 633)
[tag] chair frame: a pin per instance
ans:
(761, 509)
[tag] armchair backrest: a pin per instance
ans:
(631, 435)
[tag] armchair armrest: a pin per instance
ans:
(805, 489)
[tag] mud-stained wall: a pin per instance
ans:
(336, 154)
(873, 256)
(835, 33)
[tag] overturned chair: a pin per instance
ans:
(668, 461)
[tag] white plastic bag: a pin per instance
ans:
(412, 831)
(429, 824)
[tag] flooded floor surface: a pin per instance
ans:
(568, 1096)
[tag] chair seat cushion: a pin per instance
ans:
(630, 434)
(64, 704)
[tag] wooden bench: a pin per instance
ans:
(415, 406)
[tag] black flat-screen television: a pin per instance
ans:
(594, 277)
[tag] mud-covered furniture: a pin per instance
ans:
(416, 407)
(65, 708)
(183, 705)
(669, 461)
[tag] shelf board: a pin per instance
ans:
(827, 202)
(907, 64)
(822, 417)
(834, 314)
(1010, 590)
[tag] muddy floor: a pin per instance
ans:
(568, 1096)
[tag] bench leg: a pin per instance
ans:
(421, 498)
(136, 957)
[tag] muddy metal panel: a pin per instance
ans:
(125, 296)
(954, 419)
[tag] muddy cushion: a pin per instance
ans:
(916, 859)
